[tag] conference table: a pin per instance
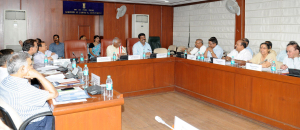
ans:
(270, 98)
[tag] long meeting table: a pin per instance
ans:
(270, 98)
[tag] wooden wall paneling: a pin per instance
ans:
(73, 24)
(240, 22)
(163, 74)
(114, 27)
(167, 26)
(276, 100)
(243, 91)
(154, 17)
(4, 5)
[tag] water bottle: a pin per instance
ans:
(109, 87)
(185, 54)
(114, 57)
(168, 53)
(85, 77)
(45, 60)
(232, 60)
(73, 64)
(273, 67)
(81, 58)
(144, 55)
(202, 57)
(199, 57)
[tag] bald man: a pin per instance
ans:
(240, 53)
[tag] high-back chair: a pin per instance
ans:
(77, 47)
(154, 42)
(13, 120)
(160, 50)
(104, 44)
(129, 43)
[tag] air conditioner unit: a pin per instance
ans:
(15, 29)
(140, 24)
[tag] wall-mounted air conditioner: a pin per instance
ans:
(140, 24)
(15, 29)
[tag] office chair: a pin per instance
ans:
(154, 42)
(104, 44)
(160, 50)
(129, 43)
(12, 119)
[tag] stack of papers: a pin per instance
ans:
(55, 78)
(46, 68)
(71, 96)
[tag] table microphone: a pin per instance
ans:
(74, 54)
(158, 119)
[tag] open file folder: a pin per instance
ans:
(72, 95)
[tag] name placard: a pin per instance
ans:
(103, 59)
(134, 57)
(219, 61)
(95, 79)
(253, 67)
(191, 57)
(162, 55)
(62, 62)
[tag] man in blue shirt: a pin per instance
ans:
(213, 49)
(141, 46)
(247, 43)
(57, 47)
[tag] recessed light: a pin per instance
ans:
(166, 1)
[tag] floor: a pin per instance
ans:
(139, 112)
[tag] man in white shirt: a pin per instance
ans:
(141, 46)
(293, 59)
(116, 48)
(39, 57)
(240, 53)
(199, 47)
(3, 69)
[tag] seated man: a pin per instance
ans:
(39, 57)
(199, 47)
(27, 100)
(293, 59)
(57, 47)
(7, 51)
(240, 53)
(3, 69)
(141, 46)
(270, 45)
(30, 46)
(247, 44)
(116, 48)
(213, 49)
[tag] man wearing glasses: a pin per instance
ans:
(30, 46)
(40, 55)
(57, 47)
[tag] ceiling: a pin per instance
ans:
(156, 2)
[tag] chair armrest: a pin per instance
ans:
(27, 121)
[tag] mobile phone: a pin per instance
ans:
(67, 89)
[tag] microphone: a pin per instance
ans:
(74, 54)
(158, 119)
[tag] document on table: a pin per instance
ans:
(47, 68)
(55, 78)
(72, 95)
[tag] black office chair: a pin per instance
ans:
(14, 121)
(154, 42)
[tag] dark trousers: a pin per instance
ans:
(45, 124)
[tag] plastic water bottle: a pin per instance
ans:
(45, 60)
(85, 77)
(202, 57)
(81, 58)
(73, 64)
(273, 67)
(114, 57)
(199, 57)
(185, 54)
(232, 60)
(109, 87)
(144, 55)
(168, 54)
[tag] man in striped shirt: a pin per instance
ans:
(27, 100)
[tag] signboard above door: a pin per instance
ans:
(82, 8)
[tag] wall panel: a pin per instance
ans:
(167, 27)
